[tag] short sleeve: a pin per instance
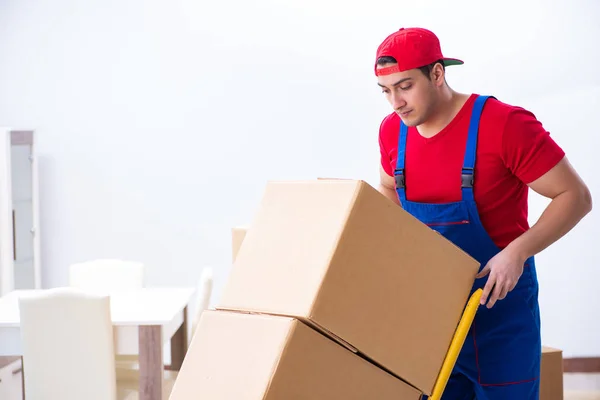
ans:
(385, 158)
(528, 150)
(386, 161)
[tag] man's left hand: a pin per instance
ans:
(505, 269)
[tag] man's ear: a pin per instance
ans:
(438, 74)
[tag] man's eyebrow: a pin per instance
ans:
(397, 83)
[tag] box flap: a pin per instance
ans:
(548, 349)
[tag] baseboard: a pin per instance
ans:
(582, 364)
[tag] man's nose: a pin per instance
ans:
(397, 101)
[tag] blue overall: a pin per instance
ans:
(500, 358)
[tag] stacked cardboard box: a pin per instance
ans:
(335, 292)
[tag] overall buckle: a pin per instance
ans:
(467, 178)
(400, 178)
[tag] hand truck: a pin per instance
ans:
(456, 345)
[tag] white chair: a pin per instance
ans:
(107, 275)
(68, 349)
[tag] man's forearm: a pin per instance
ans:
(561, 215)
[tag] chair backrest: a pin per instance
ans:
(202, 302)
(107, 275)
(68, 348)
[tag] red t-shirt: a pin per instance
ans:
(513, 149)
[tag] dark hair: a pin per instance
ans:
(426, 69)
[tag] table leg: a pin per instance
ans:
(22, 378)
(151, 362)
(179, 343)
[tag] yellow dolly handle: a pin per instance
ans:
(456, 345)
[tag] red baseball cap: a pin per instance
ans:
(412, 48)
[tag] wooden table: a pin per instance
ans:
(143, 320)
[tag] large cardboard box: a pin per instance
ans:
(236, 356)
(237, 237)
(348, 261)
(551, 375)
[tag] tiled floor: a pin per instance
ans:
(577, 387)
(582, 386)
(128, 390)
(582, 396)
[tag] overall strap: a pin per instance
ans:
(471, 149)
(399, 171)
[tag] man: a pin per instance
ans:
(463, 164)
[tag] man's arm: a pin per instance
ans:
(571, 201)
(534, 158)
(387, 186)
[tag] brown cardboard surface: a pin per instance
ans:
(551, 375)
(342, 256)
(237, 237)
(262, 357)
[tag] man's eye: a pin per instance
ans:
(406, 87)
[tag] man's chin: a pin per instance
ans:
(409, 120)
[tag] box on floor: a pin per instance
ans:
(349, 262)
(250, 357)
(551, 376)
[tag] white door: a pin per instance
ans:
(19, 233)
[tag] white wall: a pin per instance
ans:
(159, 122)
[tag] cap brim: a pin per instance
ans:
(452, 61)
